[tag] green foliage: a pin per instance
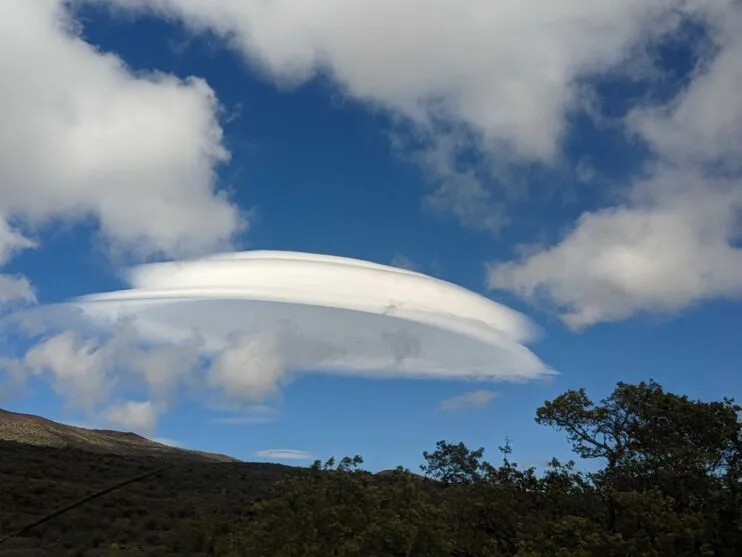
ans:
(670, 485)
(671, 482)
(341, 510)
(453, 464)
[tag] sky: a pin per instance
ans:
(576, 162)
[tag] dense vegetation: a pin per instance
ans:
(670, 483)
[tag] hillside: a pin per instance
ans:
(41, 432)
(181, 511)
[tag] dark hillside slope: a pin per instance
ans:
(178, 512)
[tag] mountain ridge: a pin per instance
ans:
(36, 430)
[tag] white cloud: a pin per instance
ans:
(251, 367)
(87, 369)
(467, 400)
(239, 325)
(83, 136)
(283, 454)
(500, 77)
(260, 314)
(80, 368)
(137, 416)
(463, 196)
(163, 367)
(13, 287)
(11, 241)
(675, 241)
(624, 260)
(459, 189)
(703, 123)
(461, 62)
(12, 378)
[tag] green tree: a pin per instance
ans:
(671, 476)
(453, 464)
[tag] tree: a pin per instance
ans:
(453, 464)
(343, 511)
(672, 465)
(644, 424)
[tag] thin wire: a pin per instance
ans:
(79, 502)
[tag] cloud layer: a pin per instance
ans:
(240, 324)
(307, 311)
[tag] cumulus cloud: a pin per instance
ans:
(11, 241)
(623, 260)
(242, 324)
(283, 454)
(138, 416)
(13, 287)
(80, 368)
(85, 137)
(468, 400)
(675, 241)
(458, 62)
(12, 378)
(251, 367)
(88, 369)
(497, 77)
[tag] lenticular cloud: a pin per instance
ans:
(256, 315)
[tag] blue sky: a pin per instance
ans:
(611, 217)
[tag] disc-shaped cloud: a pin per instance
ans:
(257, 314)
